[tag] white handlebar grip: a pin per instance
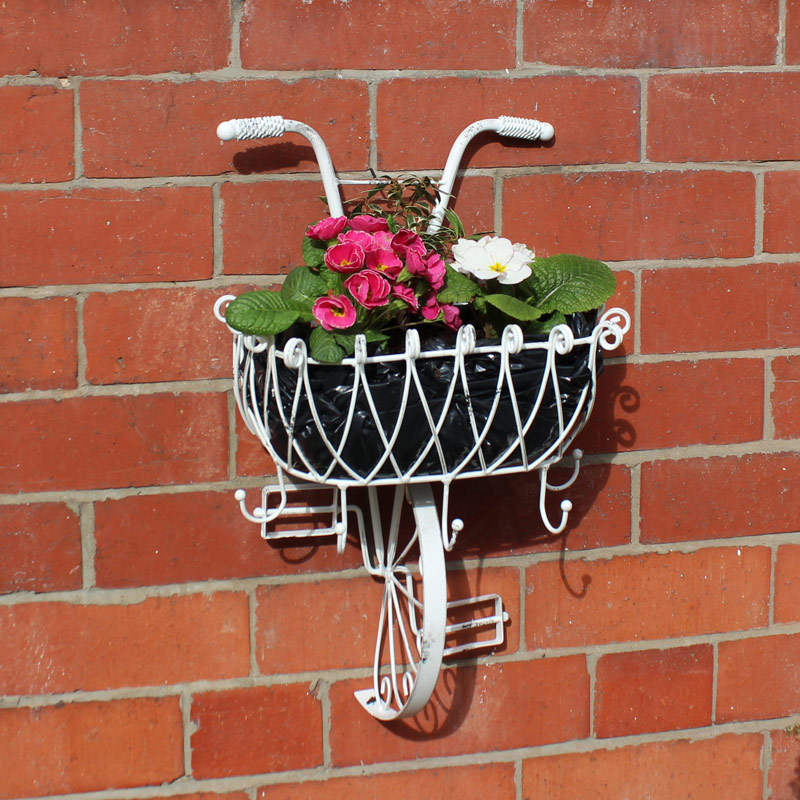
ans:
(251, 128)
(521, 128)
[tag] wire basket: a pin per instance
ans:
(436, 413)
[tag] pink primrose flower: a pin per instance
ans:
(382, 240)
(334, 312)
(385, 262)
(346, 257)
(369, 288)
(452, 316)
(326, 229)
(406, 293)
(430, 266)
(430, 306)
(368, 223)
(405, 240)
(364, 240)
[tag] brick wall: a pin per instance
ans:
(152, 645)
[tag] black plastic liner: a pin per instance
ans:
(332, 387)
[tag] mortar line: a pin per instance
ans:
(80, 342)
(218, 242)
(766, 765)
(235, 56)
(188, 726)
(772, 572)
(372, 123)
(88, 546)
(253, 622)
(714, 679)
(758, 233)
(518, 779)
(780, 55)
(323, 694)
(77, 127)
(591, 668)
(644, 83)
(519, 43)
(769, 388)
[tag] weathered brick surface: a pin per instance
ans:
(371, 34)
(41, 546)
(632, 215)
(719, 498)
(653, 596)
(413, 134)
(159, 641)
(107, 38)
(255, 730)
(90, 747)
(121, 120)
(87, 442)
(656, 34)
(36, 139)
(107, 235)
(726, 765)
(41, 337)
(687, 113)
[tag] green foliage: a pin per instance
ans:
(261, 313)
(569, 284)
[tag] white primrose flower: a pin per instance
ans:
(493, 257)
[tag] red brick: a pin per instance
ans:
(719, 498)
(96, 442)
(152, 539)
(365, 34)
(41, 546)
(787, 584)
(255, 730)
(652, 596)
(774, 693)
(615, 216)
(676, 403)
(653, 690)
(793, 32)
(40, 343)
(781, 212)
(160, 641)
(601, 514)
(299, 625)
(784, 778)
(681, 33)
(722, 308)
(108, 38)
(87, 747)
(473, 710)
(727, 766)
(690, 115)
(785, 398)
(107, 235)
(413, 133)
(122, 120)
(36, 140)
(131, 336)
(470, 782)
(252, 458)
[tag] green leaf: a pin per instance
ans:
(347, 341)
(547, 324)
(302, 287)
(334, 281)
(458, 288)
(323, 346)
(568, 283)
(314, 251)
(261, 313)
(514, 308)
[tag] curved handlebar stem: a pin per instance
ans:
(267, 127)
(516, 127)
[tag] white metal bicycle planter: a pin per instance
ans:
(408, 444)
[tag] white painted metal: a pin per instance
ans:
(410, 643)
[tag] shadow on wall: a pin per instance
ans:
(273, 158)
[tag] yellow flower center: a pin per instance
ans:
(497, 267)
